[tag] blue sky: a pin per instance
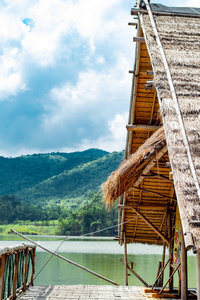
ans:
(64, 81)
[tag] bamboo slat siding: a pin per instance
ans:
(180, 38)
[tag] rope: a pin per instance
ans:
(66, 238)
(194, 10)
(81, 217)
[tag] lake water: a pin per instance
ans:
(101, 256)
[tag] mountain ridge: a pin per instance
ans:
(56, 177)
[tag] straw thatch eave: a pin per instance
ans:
(130, 169)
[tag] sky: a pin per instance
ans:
(64, 81)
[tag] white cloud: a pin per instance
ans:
(92, 81)
(10, 76)
(93, 91)
(113, 140)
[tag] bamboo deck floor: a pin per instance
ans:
(83, 292)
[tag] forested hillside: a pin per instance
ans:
(55, 186)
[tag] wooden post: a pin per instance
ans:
(162, 265)
(184, 283)
(15, 276)
(33, 265)
(2, 270)
(136, 275)
(125, 259)
(170, 250)
(25, 269)
(198, 274)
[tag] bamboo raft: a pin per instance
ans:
(75, 292)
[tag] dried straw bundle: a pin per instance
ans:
(124, 177)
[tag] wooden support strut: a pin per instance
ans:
(161, 272)
(170, 278)
(65, 259)
(150, 224)
(134, 273)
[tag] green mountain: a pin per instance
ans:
(57, 178)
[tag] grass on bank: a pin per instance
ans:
(34, 228)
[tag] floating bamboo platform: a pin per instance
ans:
(81, 292)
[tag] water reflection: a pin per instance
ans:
(101, 256)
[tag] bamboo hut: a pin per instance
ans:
(157, 184)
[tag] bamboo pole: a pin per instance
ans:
(198, 274)
(65, 259)
(134, 273)
(25, 269)
(33, 252)
(170, 278)
(160, 273)
(125, 258)
(184, 283)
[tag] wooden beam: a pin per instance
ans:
(134, 273)
(135, 11)
(138, 39)
(141, 127)
(150, 224)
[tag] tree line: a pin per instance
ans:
(74, 221)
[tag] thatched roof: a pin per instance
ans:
(130, 169)
(180, 41)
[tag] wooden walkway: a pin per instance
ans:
(83, 292)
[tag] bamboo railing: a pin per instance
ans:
(17, 267)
